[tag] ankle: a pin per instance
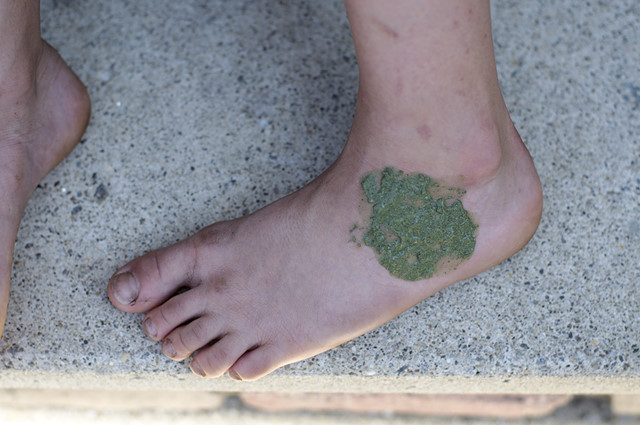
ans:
(468, 148)
(18, 94)
(19, 70)
(43, 113)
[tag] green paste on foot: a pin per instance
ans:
(415, 223)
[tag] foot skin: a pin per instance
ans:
(43, 114)
(287, 282)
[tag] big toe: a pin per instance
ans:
(150, 280)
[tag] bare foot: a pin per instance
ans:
(288, 281)
(43, 114)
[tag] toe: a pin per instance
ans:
(183, 341)
(215, 360)
(257, 363)
(150, 280)
(179, 309)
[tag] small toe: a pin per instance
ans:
(257, 363)
(150, 280)
(215, 360)
(183, 341)
(177, 310)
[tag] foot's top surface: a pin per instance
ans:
(230, 109)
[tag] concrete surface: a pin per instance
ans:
(207, 110)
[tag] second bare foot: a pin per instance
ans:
(43, 113)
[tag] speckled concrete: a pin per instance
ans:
(207, 110)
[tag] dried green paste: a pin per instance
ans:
(415, 223)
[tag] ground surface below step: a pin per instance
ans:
(581, 410)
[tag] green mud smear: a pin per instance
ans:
(415, 223)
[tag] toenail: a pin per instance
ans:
(125, 288)
(149, 328)
(168, 349)
(234, 375)
(195, 367)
